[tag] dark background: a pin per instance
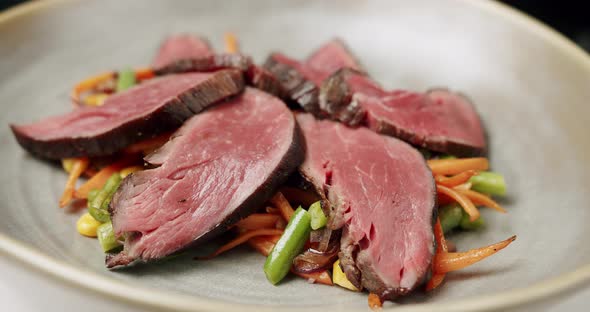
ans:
(570, 17)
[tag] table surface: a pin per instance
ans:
(24, 290)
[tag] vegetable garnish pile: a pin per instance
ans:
(302, 241)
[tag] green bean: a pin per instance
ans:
(125, 80)
(98, 208)
(450, 216)
(92, 195)
(112, 183)
(106, 203)
(290, 244)
(468, 225)
(96, 211)
(111, 189)
(106, 237)
(489, 183)
(318, 218)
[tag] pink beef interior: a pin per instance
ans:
(304, 70)
(383, 195)
(216, 160)
(117, 110)
(434, 116)
(326, 60)
(180, 47)
(430, 117)
(330, 57)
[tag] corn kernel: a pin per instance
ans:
(95, 99)
(68, 164)
(129, 170)
(87, 225)
(340, 279)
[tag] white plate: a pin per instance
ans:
(529, 83)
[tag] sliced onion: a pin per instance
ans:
(324, 242)
(313, 260)
(316, 235)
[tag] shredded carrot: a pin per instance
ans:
(279, 201)
(101, 177)
(89, 84)
(281, 224)
(78, 167)
(456, 179)
(231, 43)
(144, 74)
(259, 221)
(463, 187)
(242, 238)
(439, 235)
(148, 145)
(320, 277)
(435, 281)
(453, 261)
(467, 205)
(90, 172)
(264, 244)
(456, 166)
(374, 302)
(445, 261)
(441, 247)
(481, 199)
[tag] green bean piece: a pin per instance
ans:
(106, 203)
(92, 195)
(106, 237)
(318, 218)
(468, 225)
(112, 183)
(111, 189)
(488, 183)
(450, 216)
(95, 207)
(290, 244)
(125, 79)
(98, 208)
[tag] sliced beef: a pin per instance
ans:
(295, 81)
(207, 63)
(301, 80)
(254, 75)
(382, 194)
(146, 110)
(264, 80)
(187, 53)
(336, 95)
(439, 120)
(220, 166)
(330, 57)
(181, 46)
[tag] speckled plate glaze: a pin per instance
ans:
(530, 85)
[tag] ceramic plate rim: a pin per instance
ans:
(147, 297)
